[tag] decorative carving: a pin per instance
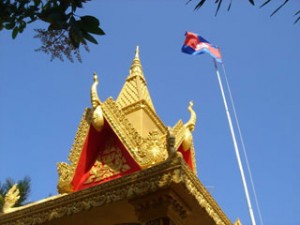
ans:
(111, 162)
(65, 174)
(205, 199)
(147, 181)
(192, 121)
(66, 171)
(190, 126)
(146, 151)
(97, 116)
(171, 143)
(178, 131)
(120, 124)
(151, 149)
(164, 205)
(10, 199)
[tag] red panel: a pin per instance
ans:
(93, 148)
(187, 156)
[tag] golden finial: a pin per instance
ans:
(237, 222)
(136, 67)
(189, 128)
(94, 95)
(10, 199)
(137, 56)
(97, 117)
(192, 121)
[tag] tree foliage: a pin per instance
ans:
(66, 31)
(23, 186)
(218, 4)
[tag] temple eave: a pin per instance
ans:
(169, 179)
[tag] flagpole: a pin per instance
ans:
(235, 146)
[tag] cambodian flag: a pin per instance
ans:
(196, 45)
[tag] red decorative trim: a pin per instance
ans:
(94, 146)
(187, 156)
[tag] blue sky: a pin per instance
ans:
(42, 101)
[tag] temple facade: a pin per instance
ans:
(126, 167)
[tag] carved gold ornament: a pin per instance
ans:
(133, 119)
(66, 171)
(111, 162)
(237, 222)
(10, 199)
(170, 174)
(97, 117)
(189, 128)
(152, 149)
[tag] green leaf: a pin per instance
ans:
(218, 7)
(229, 6)
(75, 37)
(252, 2)
(199, 5)
(90, 38)
(10, 25)
(90, 24)
(22, 26)
(90, 21)
(37, 2)
(265, 3)
(15, 32)
(286, 1)
(96, 30)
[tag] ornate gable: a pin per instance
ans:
(116, 138)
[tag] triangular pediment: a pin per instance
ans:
(120, 137)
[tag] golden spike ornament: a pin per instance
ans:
(10, 199)
(189, 128)
(136, 67)
(237, 222)
(97, 115)
(192, 121)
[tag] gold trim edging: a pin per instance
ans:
(66, 171)
(161, 176)
(132, 140)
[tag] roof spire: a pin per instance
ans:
(136, 67)
(135, 88)
(137, 56)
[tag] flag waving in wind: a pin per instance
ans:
(196, 45)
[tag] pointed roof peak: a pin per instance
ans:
(137, 52)
(135, 88)
(136, 68)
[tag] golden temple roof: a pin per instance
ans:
(125, 161)
(135, 88)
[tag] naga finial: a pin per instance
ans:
(94, 94)
(192, 121)
(189, 128)
(97, 117)
(10, 199)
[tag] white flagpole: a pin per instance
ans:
(235, 146)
